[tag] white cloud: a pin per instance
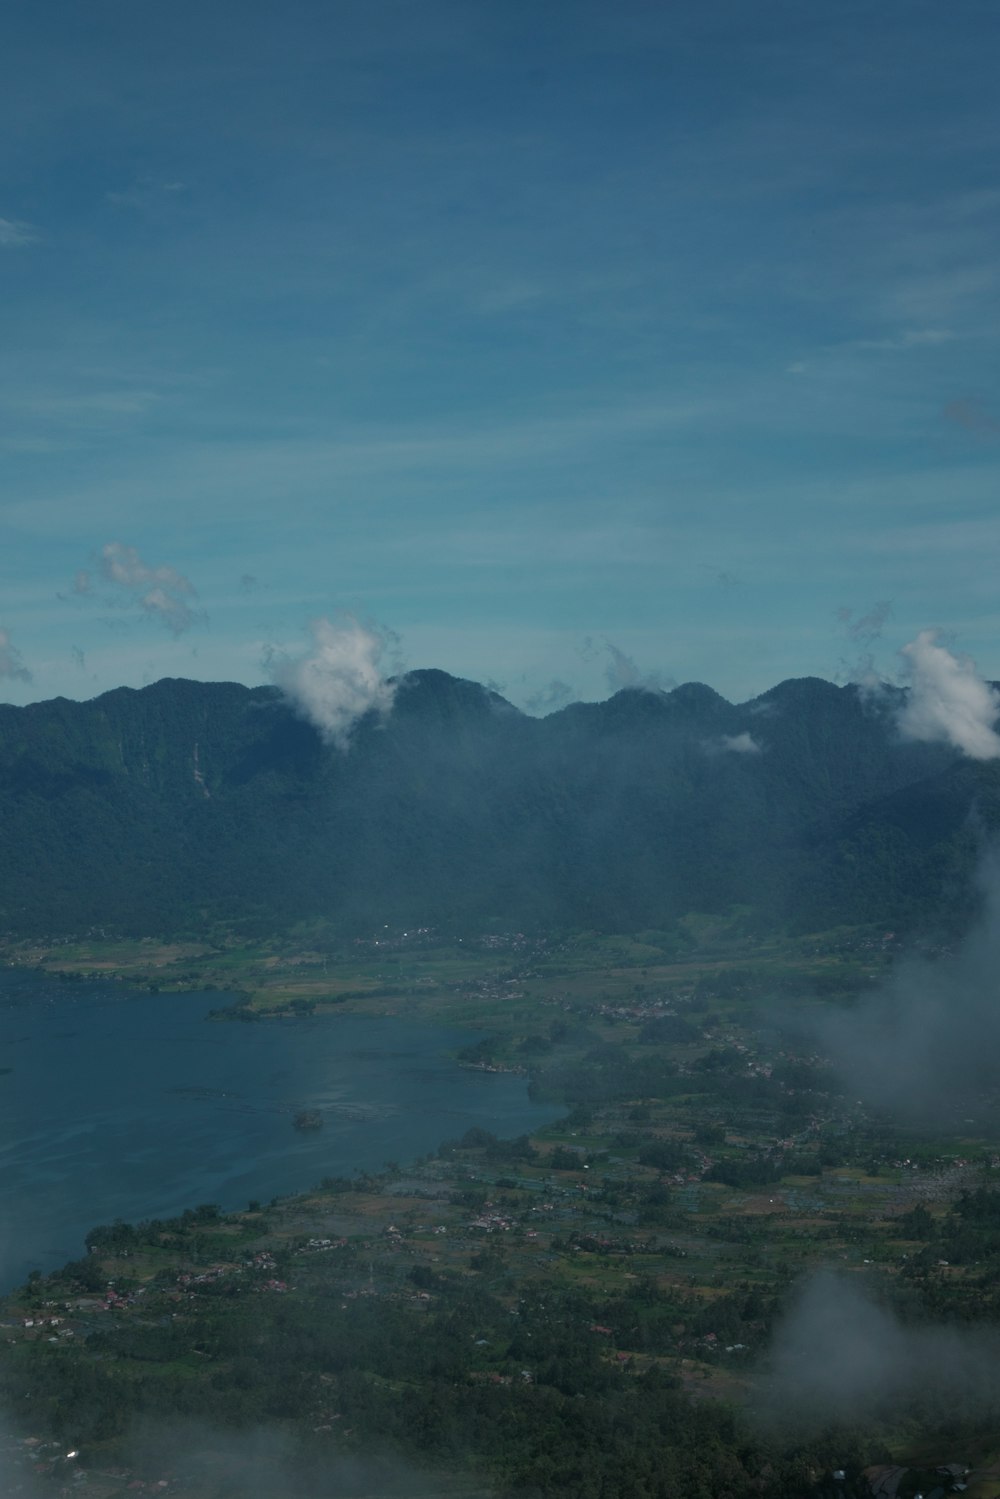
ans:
(739, 744)
(158, 591)
(339, 681)
(948, 702)
(12, 667)
(733, 744)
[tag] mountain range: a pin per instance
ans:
(185, 804)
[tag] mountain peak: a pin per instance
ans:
(695, 696)
(428, 691)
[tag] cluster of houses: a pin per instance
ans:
(886, 1479)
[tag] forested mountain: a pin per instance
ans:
(187, 803)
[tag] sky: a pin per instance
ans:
(564, 345)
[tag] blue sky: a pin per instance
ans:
(569, 344)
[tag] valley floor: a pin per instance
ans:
(587, 1313)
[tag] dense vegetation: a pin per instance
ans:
(187, 805)
(542, 1412)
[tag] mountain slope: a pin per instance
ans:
(186, 803)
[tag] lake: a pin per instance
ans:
(121, 1104)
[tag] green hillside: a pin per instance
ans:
(186, 804)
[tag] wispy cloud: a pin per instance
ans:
(553, 695)
(621, 670)
(83, 408)
(864, 631)
(335, 684)
(972, 416)
(948, 702)
(160, 592)
(15, 234)
(867, 628)
(144, 193)
(12, 667)
(836, 357)
(909, 338)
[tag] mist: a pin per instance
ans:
(259, 1462)
(841, 1355)
(16, 1475)
(924, 1044)
(266, 1461)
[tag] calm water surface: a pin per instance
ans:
(117, 1104)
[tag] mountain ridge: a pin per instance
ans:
(183, 803)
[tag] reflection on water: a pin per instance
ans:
(116, 1104)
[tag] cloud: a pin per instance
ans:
(145, 193)
(122, 564)
(553, 695)
(732, 744)
(723, 577)
(161, 592)
(263, 1460)
(925, 1042)
(339, 681)
(868, 628)
(12, 668)
(839, 1355)
(910, 338)
(972, 416)
(621, 671)
(947, 701)
(14, 234)
(864, 631)
(737, 744)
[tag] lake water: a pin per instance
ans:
(118, 1104)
